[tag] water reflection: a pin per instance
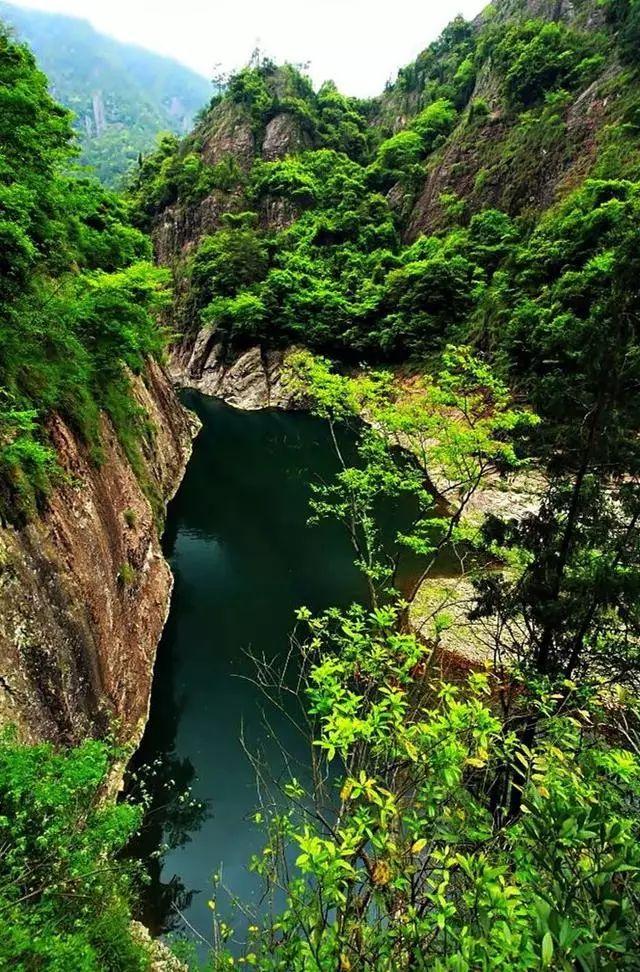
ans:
(161, 776)
(244, 560)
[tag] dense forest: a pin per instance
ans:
(477, 229)
(121, 96)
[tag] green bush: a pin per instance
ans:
(289, 178)
(126, 575)
(478, 110)
(65, 890)
(625, 16)
(130, 517)
(537, 56)
(400, 151)
(234, 257)
(242, 317)
(428, 297)
(434, 123)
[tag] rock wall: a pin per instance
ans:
(248, 379)
(475, 165)
(84, 589)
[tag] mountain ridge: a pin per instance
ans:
(122, 94)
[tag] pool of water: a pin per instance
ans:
(243, 559)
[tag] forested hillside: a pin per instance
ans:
(78, 290)
(122, 96)
(458, 263)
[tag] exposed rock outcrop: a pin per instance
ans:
(250, 379)
(160, 957)
(84, 589)
(228, 132)
(492, 163)
(284, 136)
(179, 228)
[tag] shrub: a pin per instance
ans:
(242, 317)
(126, 575)
(478, 110)
(434, 123)
(130, 518)
(537, 56)
(289, 178)
(65, 891)
(400, 151)
(235, 257)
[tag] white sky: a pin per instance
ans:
(357, 43)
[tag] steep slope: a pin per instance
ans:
(543, 80)
(84, 588)
(377, 228)
(93, 441)
(122, 95)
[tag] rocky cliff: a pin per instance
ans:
(249, 379)
(84, 589)
(498, 156)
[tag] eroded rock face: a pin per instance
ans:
(84, 589)
(179, 228)
(550, 172)
(230, 135)
(284, 136)
(277, 213)
(249, 379)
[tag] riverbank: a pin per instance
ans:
(251, 379)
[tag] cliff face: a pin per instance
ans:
(228, 133)
(500, 158)
(494, 164)
(84, 589)
(248, 379)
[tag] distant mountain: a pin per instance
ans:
(122, 95)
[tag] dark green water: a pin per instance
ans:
(244, 560)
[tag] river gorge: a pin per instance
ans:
(243, 559)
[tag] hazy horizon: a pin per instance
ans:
(359, 44)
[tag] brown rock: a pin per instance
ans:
(231, 134)
(250, 379)
(84, 589)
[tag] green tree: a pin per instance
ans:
(65, 891)
(229, 260)
(78, 297)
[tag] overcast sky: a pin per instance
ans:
(357, 43)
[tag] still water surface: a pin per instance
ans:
(244, 559)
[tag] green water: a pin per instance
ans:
(244, 560)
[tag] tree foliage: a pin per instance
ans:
(65, 895)
(78, 294)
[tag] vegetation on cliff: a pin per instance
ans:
(79, 295)
(64, 892)
(341, 266)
